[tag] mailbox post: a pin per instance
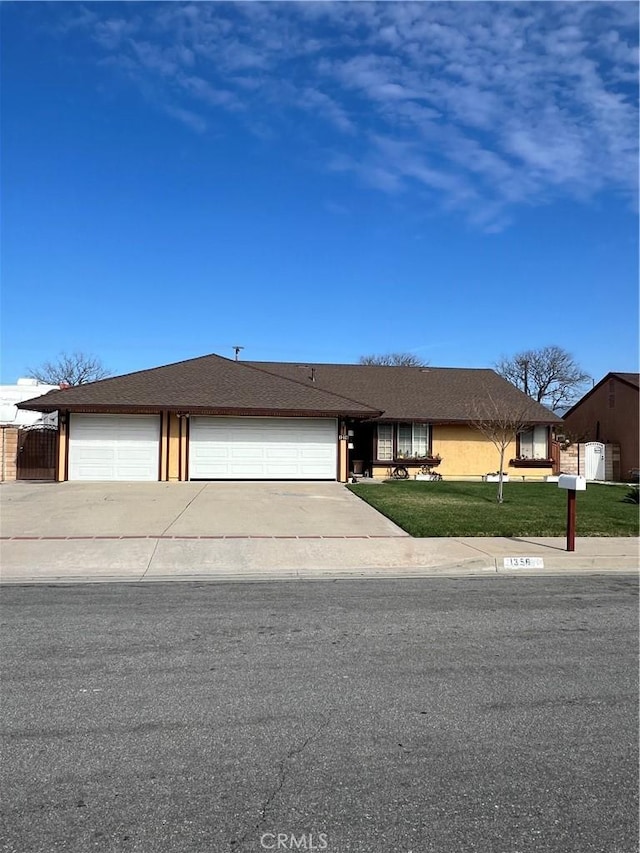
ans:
(572, 484)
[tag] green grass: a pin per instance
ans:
(529, 509)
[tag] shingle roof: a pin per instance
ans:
(445, 394)
(214, 384)
(210, 383)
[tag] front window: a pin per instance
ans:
(385, 441)
(412, 441)
(533, 443)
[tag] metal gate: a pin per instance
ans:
(594, 460)
(36, 453)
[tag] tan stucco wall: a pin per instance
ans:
(465, 452)
(173, 446)
(343, 453)
(164, 453)
(619, 424)
(63, 427)
(8, 452)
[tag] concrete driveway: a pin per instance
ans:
(187, 509)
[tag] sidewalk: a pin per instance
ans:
(89, 559)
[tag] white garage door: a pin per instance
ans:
(263, 448)
(114, 447)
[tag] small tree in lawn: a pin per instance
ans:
(500, 423)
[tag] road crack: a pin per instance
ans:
(282, 776)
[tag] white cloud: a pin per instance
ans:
(188, 117)
(484, 106)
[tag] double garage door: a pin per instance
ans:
(127, 447)
(262, 448)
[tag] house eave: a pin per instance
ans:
(386, 418)
(221, 411)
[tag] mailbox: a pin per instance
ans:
(571, 481)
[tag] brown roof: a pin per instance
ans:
(445, 394)
(218, 385)
(211, 383)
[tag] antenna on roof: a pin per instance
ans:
(237, 350)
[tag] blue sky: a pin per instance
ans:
(317, 181)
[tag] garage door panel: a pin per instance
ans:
(132, 454)
(92, 472)
(248, 451)
(315, 453)
(277, 453)
(263, 448)
(87, 455)
(115, 447)
(210, 453)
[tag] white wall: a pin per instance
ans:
(24, 389)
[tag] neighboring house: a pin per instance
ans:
(24, 389)
(609, 413)
(212, 418)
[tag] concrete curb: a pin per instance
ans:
(470, 568)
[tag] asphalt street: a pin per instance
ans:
(494, 714)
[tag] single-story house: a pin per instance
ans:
(610, 413)
(212, 418)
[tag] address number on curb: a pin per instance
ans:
(523, 563)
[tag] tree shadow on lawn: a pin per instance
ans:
(471, 494)
(515, 492)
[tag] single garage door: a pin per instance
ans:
(263, 448)
(114, 447)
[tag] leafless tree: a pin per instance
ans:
(394, 359)
(550, 375)
(500, 422)
(76, 368)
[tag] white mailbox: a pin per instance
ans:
(572, 481)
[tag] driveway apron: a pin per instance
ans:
(250, 509)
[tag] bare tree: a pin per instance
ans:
(550, 375)
(76, 368)
(500, 422)
(394, 359)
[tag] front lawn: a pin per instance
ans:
(530, 509)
